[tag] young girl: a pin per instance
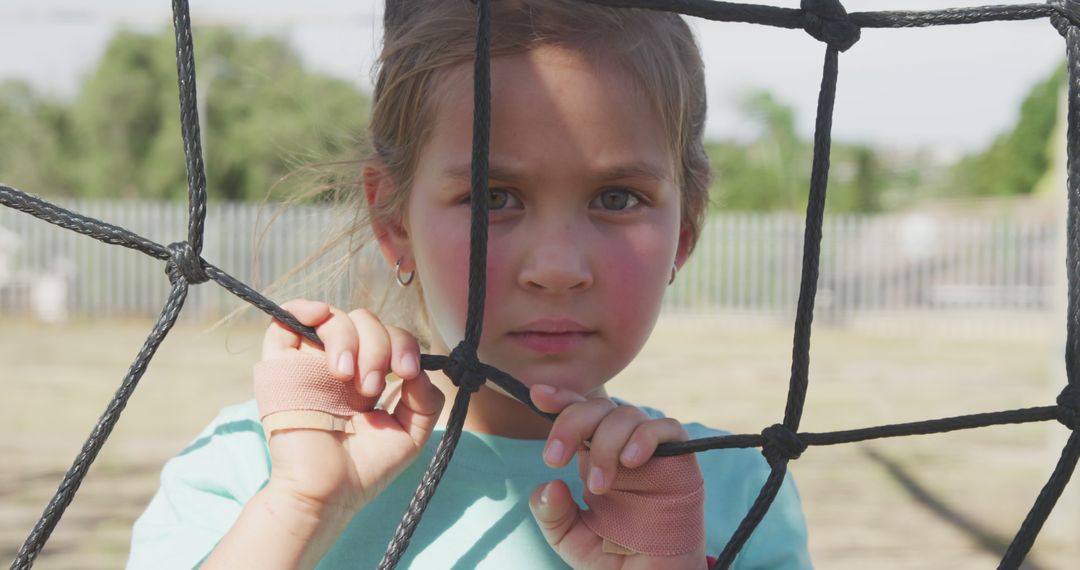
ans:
(598, 184)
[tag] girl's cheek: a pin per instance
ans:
(640, 268)
(446, 248)
(444, 255)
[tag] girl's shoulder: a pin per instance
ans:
(203, 489)
(241, 411)
(230, 451)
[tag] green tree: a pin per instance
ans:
(262, 113)
(32, 140)
(1016, 160)
(772, 171)
(768, 172)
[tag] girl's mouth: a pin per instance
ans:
(551, 343)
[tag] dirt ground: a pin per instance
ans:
(940, 501)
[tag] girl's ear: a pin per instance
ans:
(392, 235)
(682, 251)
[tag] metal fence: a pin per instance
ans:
(52, 273)
(744, 262)
(910, 262)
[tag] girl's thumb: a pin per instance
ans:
(554, 510)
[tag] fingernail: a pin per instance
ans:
(630, 454)
(554, 453)
(370, 386)
(545, 389)
(345, 363)
(411, 364)
(596, 481)
(545, 495)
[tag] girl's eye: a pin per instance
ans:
(617, 199)
(498, 199)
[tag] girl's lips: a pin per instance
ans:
(551, 343)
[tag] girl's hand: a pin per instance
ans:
(336, 470)
(620, 438)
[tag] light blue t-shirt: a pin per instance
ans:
(478, 518)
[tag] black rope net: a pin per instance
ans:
(825, 20)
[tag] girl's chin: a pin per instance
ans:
(587, 392)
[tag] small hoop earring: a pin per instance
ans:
(397, 274)
(672, 280)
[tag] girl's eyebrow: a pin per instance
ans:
(635, 170)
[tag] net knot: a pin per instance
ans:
(1068, 407)
(781, 445)
(464, 369)
(1066, 13)
(828, 21)
(184, 262)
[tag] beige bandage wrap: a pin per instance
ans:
(301, 392)
(657, 509)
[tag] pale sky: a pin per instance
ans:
(954, 86)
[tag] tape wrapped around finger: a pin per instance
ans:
(656, 509)
(301, 392)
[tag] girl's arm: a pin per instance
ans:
(279, 530)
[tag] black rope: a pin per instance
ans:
(827, 21)
(428, 482)
(926, 427)
(189, 124)
(795, 18)
(480, 196)
(462, 366)
(1044, 503)
(1069, 399)
(753, 516)
(775, 453)
(85, 225)
(75, 474)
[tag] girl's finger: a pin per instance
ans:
(419, 407)
(559, 520)
(574, 425)
(339, 338)
(552, 399)
(308, 312)
(373, 360)
(280, 340)
(612, 436)
(647, 436)
(404, 353)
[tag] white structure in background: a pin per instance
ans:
(9, 246)
(918, 236)
(49, 291)
(45, 293)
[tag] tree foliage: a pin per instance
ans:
(263, 115)
(32, 145)
(1016, 160)
(772, 172)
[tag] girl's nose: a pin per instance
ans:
(556, 264)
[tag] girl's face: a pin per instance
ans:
(584, 225)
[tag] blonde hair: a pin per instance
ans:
(424, 39)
